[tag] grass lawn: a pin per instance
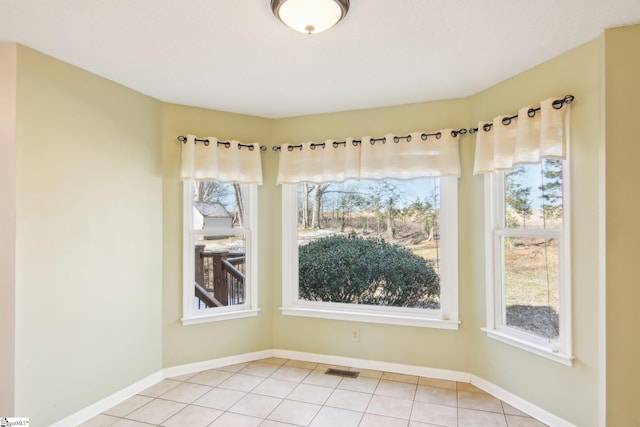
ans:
(531, 285)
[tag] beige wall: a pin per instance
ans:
(89, 238)
(622, 103)
(571, 393)
(8, 69)
(195, 343)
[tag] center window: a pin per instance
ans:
(381, 251)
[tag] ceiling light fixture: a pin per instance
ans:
(310, 16)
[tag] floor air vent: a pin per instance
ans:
(342, 373)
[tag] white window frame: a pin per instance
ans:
(250, 232)
(495, 230)
(444, 318)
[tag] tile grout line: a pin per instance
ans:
(413, 403)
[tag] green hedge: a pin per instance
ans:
(351, 269)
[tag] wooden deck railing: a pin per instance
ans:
(219, 277)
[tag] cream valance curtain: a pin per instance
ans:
(536, 134)
(223, 161)
(416, 155)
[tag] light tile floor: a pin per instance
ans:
(278, 393)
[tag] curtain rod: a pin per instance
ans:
(336, 144)
(372, 141)
(557, 104)
(226, 144)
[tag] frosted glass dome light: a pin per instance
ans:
(310, 16)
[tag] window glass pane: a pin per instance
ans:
(373, 242)
(533, 196)
(531, 285)
(217, 205)
(219, 273)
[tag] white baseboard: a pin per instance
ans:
(122, 395)
(444, 374)
(519, 403)
(109, 401)
(190, 368)
(420, 371)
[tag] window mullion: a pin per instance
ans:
(188, 291)
(219, 232)
(250, 227)
(449, 258)
(490, 268)
(499, 284)
(529, 232)
(290, 245)
(498, 202)
(564, 275)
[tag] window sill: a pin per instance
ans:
(217, 317)
(534, 348)
(407, 319)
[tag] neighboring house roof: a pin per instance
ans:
(212, 209)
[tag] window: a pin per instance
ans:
(219, 251)
(528, 273)
(380, 251)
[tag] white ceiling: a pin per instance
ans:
(235, 56)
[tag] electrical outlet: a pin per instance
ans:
(355, 335)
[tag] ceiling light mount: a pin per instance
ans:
(310, 16)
